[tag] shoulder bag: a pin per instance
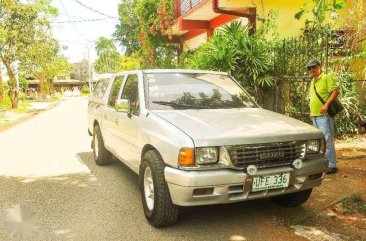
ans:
(334, 107)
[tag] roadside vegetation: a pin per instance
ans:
(27, 47)
(354, 204)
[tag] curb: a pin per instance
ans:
(352, 157)
(28, 115)
(358, 153)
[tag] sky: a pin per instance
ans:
(79, 36)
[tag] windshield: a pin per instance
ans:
(166, 91)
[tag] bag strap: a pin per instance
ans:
(316, 92)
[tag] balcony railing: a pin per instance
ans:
(186, 5)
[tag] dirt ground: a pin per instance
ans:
(343, 197)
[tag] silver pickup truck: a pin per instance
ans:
(198, 138)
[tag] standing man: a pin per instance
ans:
(328, 90)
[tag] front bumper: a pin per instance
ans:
(235, 186)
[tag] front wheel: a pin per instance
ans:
(158, 207)
(101, 155)
(292, 199)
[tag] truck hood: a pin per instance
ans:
(217, 127)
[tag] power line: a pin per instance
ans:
(78, 17)
(68, 16)
(73, 42)
(84, 20)
(92, 9)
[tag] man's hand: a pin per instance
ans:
(324, 109)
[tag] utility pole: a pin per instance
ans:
(89, 70)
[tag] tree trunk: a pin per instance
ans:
(258, 95)
(13, 85)
(42, 86)
(1, 85)
(45, 85)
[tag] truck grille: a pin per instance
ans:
(266, 155)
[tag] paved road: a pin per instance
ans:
(47, 164)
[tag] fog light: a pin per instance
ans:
(252, 170)
(203, 191)
(297, 163)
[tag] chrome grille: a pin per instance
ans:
(266, 155)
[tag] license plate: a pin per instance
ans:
(274, 181)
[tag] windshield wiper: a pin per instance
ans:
(178, 106)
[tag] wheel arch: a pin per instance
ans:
(149, 147)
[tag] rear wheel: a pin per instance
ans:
(292, 199)
(158, 207)
(101, 155)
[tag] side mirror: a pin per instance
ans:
(123, 105)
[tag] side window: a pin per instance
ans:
(115, 90)
(131, 92)
(100, 88)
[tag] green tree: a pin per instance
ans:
(130, 62)
(80, 70)
(19, 24)
(108, 57)
(145, 28)
(44, 62)
(320, 10)
(126, 32)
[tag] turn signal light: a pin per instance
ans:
(186, 157)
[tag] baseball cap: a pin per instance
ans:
(313, 63)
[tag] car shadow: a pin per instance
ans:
(241, 212)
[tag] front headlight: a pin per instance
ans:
(315, 146)
(206, 155)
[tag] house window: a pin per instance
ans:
(186, 5)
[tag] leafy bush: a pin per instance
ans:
(57, 96)
(352, 204)
(22, 96)
(234, 50)
(85, 90)
(346, 121)
(5, 103)
(23, 83)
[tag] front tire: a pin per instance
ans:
(157, 203)
(101, 155)
(292, 199)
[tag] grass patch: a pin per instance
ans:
(289, 222)
(22, 107)
(352, 204)
(5, 103)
